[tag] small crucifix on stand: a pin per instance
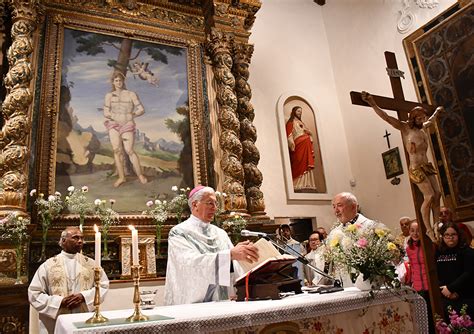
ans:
(412, 121)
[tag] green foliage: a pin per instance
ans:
(48, 208)
(107, 215)
(13, 228)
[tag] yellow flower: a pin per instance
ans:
(391, 246)
(380, 233)
(351, 228)
(334, 242)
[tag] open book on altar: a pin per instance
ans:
(269, 260)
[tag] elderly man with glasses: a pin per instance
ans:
(200, 254)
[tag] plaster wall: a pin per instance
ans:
(325, 52)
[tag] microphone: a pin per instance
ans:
(247, 233)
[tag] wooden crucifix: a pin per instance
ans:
(403, 107)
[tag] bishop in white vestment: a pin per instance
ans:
(200, 255)
(65, 283)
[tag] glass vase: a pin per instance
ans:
(19, 264)
(44, 237)
(106, 255)
(158, 240)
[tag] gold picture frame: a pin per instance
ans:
(49, 136)
(438, 55)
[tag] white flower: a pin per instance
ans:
(70, 189)
(218, 193)
(84, 189)
(149, 204)
(182, 190)
(51, 198)
(97, 202)
(57, 194)
(33, 192)
(188, 189)
(157, 202)
(111, 201)
(224, 194)
(232, 213)
(174, 188)
(164, 202)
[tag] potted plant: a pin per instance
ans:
(77, 203)
(107, 217)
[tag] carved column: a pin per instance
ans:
(248, 134)
(219, 46)
(14, 150)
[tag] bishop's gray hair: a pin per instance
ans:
(198, 195)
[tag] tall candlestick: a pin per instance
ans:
(134, 245)
(97, 246)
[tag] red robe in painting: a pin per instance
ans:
(302, 158)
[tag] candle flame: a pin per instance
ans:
(131, 227)
(96, 229)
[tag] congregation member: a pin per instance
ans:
(315, 255)
(404, 236)
(322, 232)
(455, 265)
(200, 254)
(65, 283)
(416, 275)
(294, 248)
(345, 207)
(446, 216)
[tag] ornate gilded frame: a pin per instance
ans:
(435, 53)
(47, 112)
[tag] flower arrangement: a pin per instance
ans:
(179, 204)
(233, 225)
(159, 212)
(48, 209)
(14, 229)
(371, 251)
(77, 202)
(461, 323)
(107, 217)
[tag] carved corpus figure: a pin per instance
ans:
(421, 171)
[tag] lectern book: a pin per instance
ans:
(266, 253)
(271, 275)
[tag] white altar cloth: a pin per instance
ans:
(228, 315)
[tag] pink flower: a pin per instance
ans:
(362, 243)
(149, 204)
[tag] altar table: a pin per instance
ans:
(348, 311)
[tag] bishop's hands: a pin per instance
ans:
(72, 301)
(244, 251)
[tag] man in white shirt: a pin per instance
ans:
(345, 207)
(200, 254)
(65, 283)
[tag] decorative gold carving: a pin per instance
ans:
(153, 13)
(11, 325)
(219, 46)
(248, 133)
(14, 134)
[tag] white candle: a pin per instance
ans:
(97, 246)
(134, 245)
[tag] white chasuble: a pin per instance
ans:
(198, 268)
(61, 276)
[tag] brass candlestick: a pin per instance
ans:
(97, 318)
(137, 314)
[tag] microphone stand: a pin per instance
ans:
(337, 283)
